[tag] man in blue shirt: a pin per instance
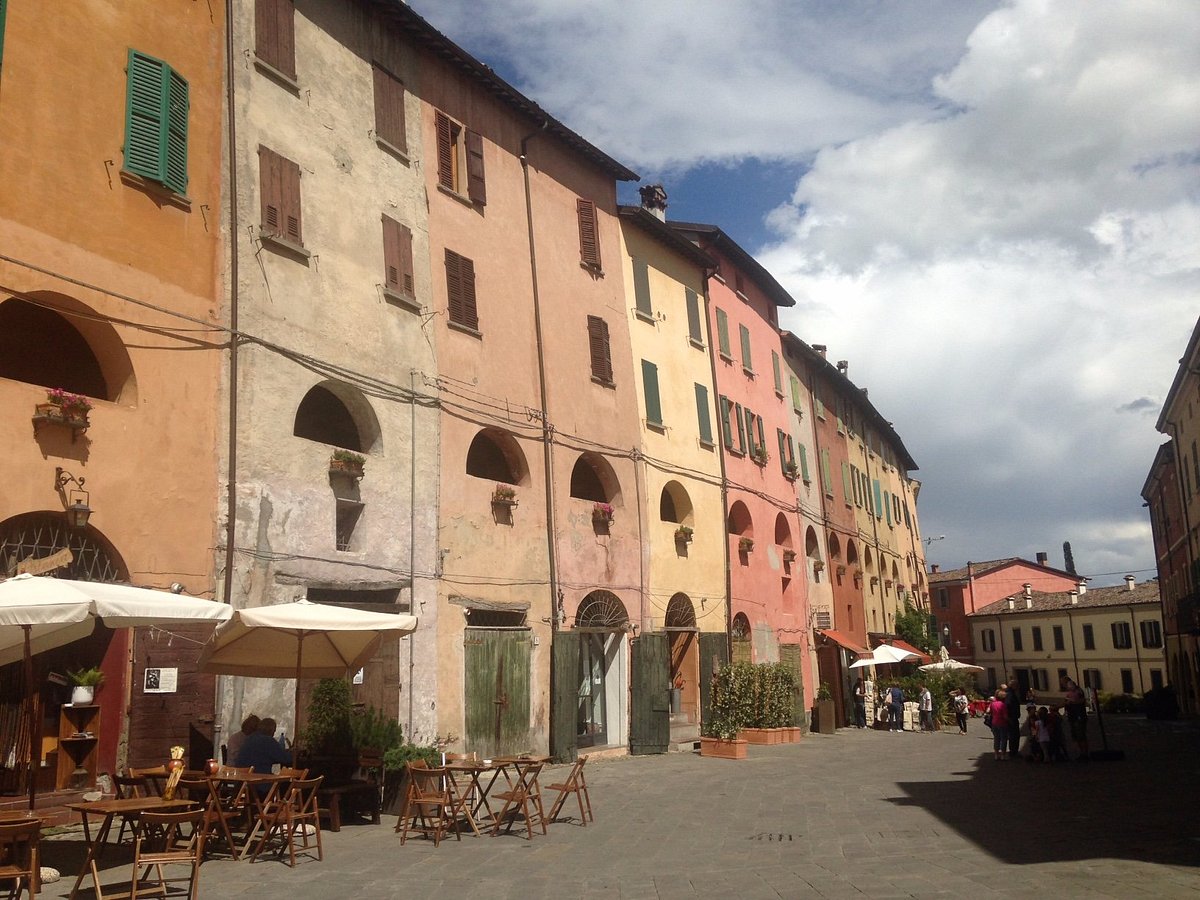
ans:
(261, 751)
(896, 706)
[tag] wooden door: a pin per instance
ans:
(649, 722)
(380, 688)
(714, 653)
(496, 690)
(792, 657)
(564, 696)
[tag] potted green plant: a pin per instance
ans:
(745, 544)
(730, 710)
(790, 470)
(504, 495)
(760, 456)
(602, 513)
(85, 683)
(347, 462)
(395, 781)
(683, 534)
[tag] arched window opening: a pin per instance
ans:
(674, 504)
(835, 548)
(680, 612)
(851, 554)
(812, 547)
(494, 455)
(593, 478)
(868, 560)
(601, 609)
(783, 532)
(740, 522)
(740, 633)
(41, 346)
(324, 418)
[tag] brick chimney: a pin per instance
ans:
(1043, 559)
(654, 200)
(1028, 588)
(935, 568)
(821, 348)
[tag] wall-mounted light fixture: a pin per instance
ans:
(75, 500)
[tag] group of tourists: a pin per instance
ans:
(1039, 737)
(891, 703)
(256, 746)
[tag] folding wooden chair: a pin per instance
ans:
(291, 818)
(526, 795)
(428, 799)
(294, 774)
(575, 784)
(126, 787)
(19, 857)
(160, 840)
(155, 778)
(218, 811)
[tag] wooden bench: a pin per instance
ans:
(359, 796)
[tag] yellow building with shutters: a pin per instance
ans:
(679, 469)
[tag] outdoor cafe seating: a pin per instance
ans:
(163, 839)
(19, 842)
(291, 820)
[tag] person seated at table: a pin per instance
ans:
(261, 751)
(234, 746)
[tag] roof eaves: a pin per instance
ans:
(727, 245)
(1180, 374)
(666, 235)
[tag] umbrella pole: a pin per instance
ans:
(296, 723)
(34, 739)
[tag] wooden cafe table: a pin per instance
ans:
(109, 810)
(511, 767)
(245, 796)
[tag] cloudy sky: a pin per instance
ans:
(991, 209)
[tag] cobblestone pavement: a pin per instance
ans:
(857, 814)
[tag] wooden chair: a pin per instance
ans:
(291, 818)
(126, 787)
(575, 784)
(217, 811)
(526, 795)
(19, 857)
(428, 800)
(294, 774)
(155, 778)
(161, 839)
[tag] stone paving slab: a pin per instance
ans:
(857, 814)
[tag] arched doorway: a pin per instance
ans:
(601, 621)
(684, 649)
(740, 639)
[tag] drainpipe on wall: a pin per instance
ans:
(231, 463)
(1137, 654)
(412, 535)
(1003, 655)
(1074, 656)
(716, 400)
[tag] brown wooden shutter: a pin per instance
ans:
(389, 109)
(270, 190)
(445, 151)
(476, 188)
(589, 239)
(275, 34)
(289, 177)
(397, 257)
(460, 288)
(600, 349)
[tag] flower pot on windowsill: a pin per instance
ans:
(760, 458)
(602, 515)
(789, 556)
(745, 545)
(504, 496)
(343, 462)
(790, 473)
(683, 535)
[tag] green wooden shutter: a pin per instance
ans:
(777, 372)
(782, 450)
(175, 169)
(795, 393)
(747, 362)
(887, 508)
(3, 13)
(145, 116)
(650, 386)
(749, 418)
(726, 427)
(826, 474)
(878, 498)
(819, 405)
(641, 287)
(702, 415)
(804, 464)
(847, 490)
(741, 426)
(693, 315)
(723, 334)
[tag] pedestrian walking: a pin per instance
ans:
(997, 720)
(925, 707)
(860, 704)
(961, 706)
(1013, 699)
(1077, 718)
(896, 707)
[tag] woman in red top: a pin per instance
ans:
(999, 714)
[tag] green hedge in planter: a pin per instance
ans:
(750, 696)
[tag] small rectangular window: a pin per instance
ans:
(389, 109)
(460, 159)
(1121, 637)
(989, 640)
(156, 122)
(747, 362)
(460, 290)
(589, 235)
(397, 258)
(599, 349)
(847, 485)
(826, 474)
(1058, 638)
(275, 35)
(1091, 679)
(1151, 634)
(695, 328)
(723, 334)
(878, 510)
(1016, 639)
(1156, 679)
(280, 193)
(1089, 638)
(1041, 680)
(1127, 681)
(703, 417)
(943, 596)
(1062, 679)
(1037, 637)
(650, 387)
(797, 406)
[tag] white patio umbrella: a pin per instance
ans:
(39, 614)
(863, 662)
(884, 654)
(950, 665)
(301, 639)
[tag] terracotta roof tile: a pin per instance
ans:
(1118, 595)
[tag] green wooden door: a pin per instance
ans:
(790, 655)
(496, 691)
(714, 653)
(649, 721)
(564, 696)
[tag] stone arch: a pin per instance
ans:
(739, 521)
(36, 535)
(601, 609)
(851, 553)
(868, 561)
(495, 455)
(835, 547)
(675, 504)
(783, 531)
(593, 478)
(680, 612)
(335, 413)
(88, 355)
(739, 633)
(812, 546)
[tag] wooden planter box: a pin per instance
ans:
(346, 467)
(824, 717)
(720, 749)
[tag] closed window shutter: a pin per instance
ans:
(776, 371)
(795, 382)
(275, 34)
(804, 464)
(741, 427)
(887, 508)
(460, 289)
(878, 498)
(747, 363)
(176, 169)
(762, 438)
(782, 450)
(598, 347)
(476, 188)
(826, 474)
(145, 116)
(397, 256)
(650, 386)
(445, 151)
(723, 333)
(702, 414)
(641, 287)
(847, 488)
(270, 190)
(749, 419)
(289, 177)
(726, 427)
(791, 450)
(589, 239)
(692, 301)
(3, 13)
(389, 109)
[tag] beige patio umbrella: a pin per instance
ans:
(39, 613)
(301, 639)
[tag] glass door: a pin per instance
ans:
(592, 720)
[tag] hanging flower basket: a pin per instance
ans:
(789, 556)
(745, 545)
(683, 534)
(504, 495)
(348, 463)
(790, 471)
(602, 513)
(63, 408)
